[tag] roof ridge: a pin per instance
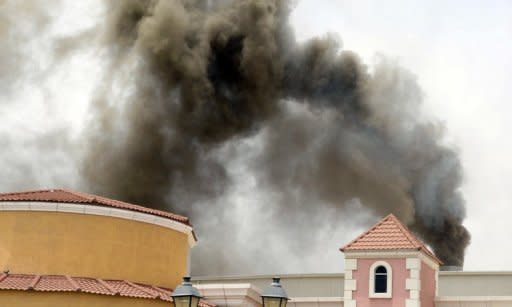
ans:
(420, 245)
(73, 283)
(365, 233)
(98, 198)
(141, 289)
(102, 199)
(34, 282)
(378, 239)
(25, 192)
(87, 196)
(65, 195)
(406, 231)
(107, 286)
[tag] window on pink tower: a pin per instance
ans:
(381, 281)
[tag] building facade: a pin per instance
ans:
(66, 248)
(386, 266)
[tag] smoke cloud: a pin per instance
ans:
(188, 82)
(19, 21)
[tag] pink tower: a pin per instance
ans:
(387, 266)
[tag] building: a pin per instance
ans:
(386, 266)
(66, 248)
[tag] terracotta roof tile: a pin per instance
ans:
(125, 289)
(389, 233)
(63, 283)
(92, 285)
(161, 292)
(145, 289)
(17, 282)
(69, 196)
(53, 283)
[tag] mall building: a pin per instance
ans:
(66, 248)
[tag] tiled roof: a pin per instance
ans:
(388, 234)
(64, 283)
(69, 196)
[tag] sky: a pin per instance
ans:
(460, 52)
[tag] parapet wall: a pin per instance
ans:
(89, 245)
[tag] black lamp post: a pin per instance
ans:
(186, 295)
(274, 295)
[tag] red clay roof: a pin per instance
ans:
(388, 234)
(69, 196)
(64, 283)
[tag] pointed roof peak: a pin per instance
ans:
(388, 234)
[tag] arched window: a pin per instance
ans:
(381, 280)
(380, 285)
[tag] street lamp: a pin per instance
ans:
(186, 295)
(274, 295)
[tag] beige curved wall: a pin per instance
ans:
(63, 299)
(91, 246)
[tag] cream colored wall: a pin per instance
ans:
(474, 302)
(91, 246)
(467, 283)
(66, 299)
(247, 295)
(461, 284)
(296, 285)
(315, 302)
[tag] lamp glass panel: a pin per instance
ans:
(182, 301)
(195, 301)
(271, 302)
(283, 302)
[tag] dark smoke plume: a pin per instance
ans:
(188, 79)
